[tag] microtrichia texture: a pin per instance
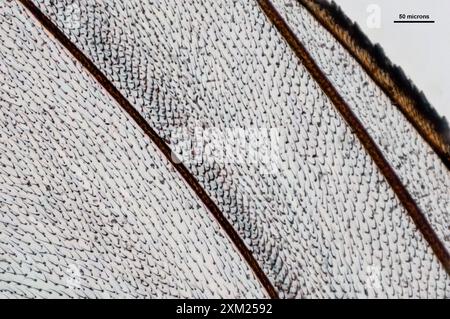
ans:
(316, 213)
(420, 169)
(88, 206)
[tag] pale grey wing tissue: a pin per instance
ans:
(219, 83)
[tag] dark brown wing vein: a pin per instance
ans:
(389, 77)
(159, 142)
(371, 147)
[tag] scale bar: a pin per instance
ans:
(414, 21)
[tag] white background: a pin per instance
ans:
(422, 50)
